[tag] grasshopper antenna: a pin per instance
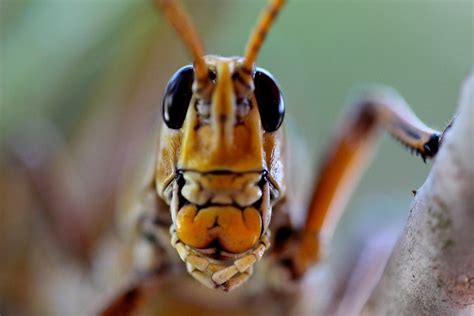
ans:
(258, 35)
(183, 25)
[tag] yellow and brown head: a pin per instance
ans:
(220, 164)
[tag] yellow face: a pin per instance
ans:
(220, 168)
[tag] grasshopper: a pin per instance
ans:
(216, 203)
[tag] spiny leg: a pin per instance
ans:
(349, 152)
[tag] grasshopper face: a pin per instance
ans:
(220, 168)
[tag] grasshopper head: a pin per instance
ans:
(220, 165)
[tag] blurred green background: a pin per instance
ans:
(61, 59)
(96, 69)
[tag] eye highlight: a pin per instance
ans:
(271, 105)
(177, 96)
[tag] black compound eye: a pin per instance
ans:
(177, 96)
(269, 99)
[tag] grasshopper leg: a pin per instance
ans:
(349, 152)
